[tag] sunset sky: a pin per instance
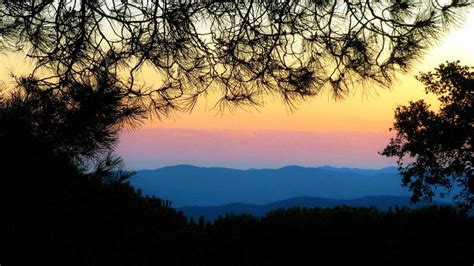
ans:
(320, 132)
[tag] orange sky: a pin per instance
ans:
(368, 109)
(322, 131)
(344, 133)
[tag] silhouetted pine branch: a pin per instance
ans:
(243, 50)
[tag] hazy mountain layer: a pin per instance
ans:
(187, 185)
(380, 202)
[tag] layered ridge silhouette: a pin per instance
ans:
(187, 185)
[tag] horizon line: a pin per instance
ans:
(267, 168)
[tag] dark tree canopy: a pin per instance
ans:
(243, 50)
(64, 133)
(64, 192)
(435, 149)
(75, 124)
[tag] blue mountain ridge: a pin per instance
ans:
(382, 203)
(187, 185)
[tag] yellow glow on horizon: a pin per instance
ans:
(367, 109)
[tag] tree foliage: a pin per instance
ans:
(64, 192)
(435, 148)
(242, 50)
(75, 124)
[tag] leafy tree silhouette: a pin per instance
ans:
(435, 149)
(66, 193)
(72, 124)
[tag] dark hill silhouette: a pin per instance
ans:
(382, 203)
(187, 185)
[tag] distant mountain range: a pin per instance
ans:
(187, 185)
(214, 191)
(380, 202)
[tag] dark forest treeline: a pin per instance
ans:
(300, 236)
(432, 235)
(118, 227)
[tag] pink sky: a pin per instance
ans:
(158, 147)
(321, 132)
